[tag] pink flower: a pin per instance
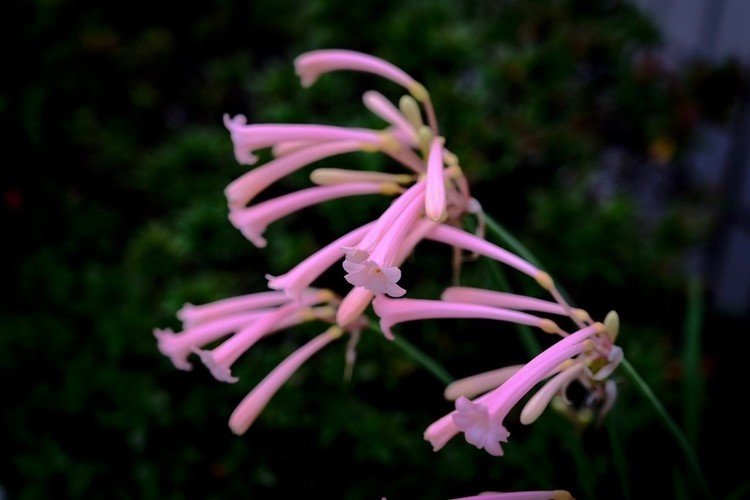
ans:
(479, 428)
(378, 273)
(219, 360)
(507, 300)
(210, 322)
(311, 65)
(254, 403)
(467, 241)
(249, 138)
(295, 281)
(253, 221)
(362, 250)
(435, 195)
(500, 401)
(242, 190)
(392, 312)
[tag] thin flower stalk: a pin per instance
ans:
(252, 221)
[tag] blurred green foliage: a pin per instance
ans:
(115, 217)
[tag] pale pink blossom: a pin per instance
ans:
(479, 428)
(243, 189)
(353, 305)
(192, 315)
(500, 401)
(361, 251)
(219, 360)
(356, 301)
(296, 281)
(506, 300)
(392, 312)
(467, 241)
(252, 221)
(435, 202)
(253, 404)
(249, 138)
(378, 273)
(311, 65)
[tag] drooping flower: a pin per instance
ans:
(497, 403)
(252, 221)
(254, 403)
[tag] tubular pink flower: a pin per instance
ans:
(284, 148)
(243, 189)
(539, 401)
(253, 221)
(467, 241)
(392, 312)
(191, 315)
(361, 251)
(295, 281)
(353, 305)
(310, 65)
(220, 359)
(378, 273)
(500, 401)
(480, 383)
(248, 138)
(435, 203)
(521, 495)
(382, 107)
(357, 300)
(506, 300)
(254, 403)
(479, 427)
(178, 346)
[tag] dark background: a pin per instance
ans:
(577, 133)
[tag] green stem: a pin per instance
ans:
(618, 455)
(693, 389)
(419, 356)
(669, 424)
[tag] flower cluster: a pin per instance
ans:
(432, 198)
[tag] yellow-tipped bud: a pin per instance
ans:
(329, 176)
(449, 158)
(424, 138)
(419, 92)
(612, 324)
(390, 188)
(326, 313)
(600, 328)
(549, 326)
(326, 295)
(410, 110)
(582, 315)
(389, 143)
(335, 331)
(545, 280)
